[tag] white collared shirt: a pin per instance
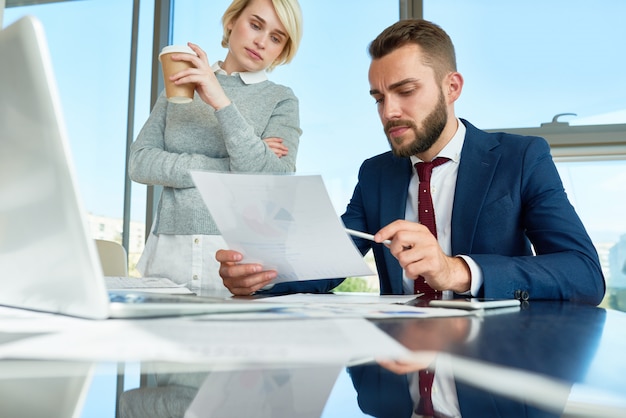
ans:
(248, 77)
(442, 188)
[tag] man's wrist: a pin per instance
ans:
(462, 275)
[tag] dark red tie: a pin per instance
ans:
(425, 212)
(425, 405)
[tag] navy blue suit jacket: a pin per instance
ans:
(508, 196)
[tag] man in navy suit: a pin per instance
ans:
(505, 227)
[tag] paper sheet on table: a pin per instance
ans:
(342, 305)
(374, 306)
(285, 222)
(227, 343)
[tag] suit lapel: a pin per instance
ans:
(479, 159)
(394, 189)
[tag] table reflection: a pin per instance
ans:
(508, 364)
(543, 360)
(298, 392)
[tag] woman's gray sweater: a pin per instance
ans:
(181, 137)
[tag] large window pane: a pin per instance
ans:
(526, 61)
(90, 46)
(90, 58)
(598, 192)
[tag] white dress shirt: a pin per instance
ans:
(442, 188)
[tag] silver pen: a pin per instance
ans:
(366, 236)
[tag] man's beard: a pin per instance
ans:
(433, 126)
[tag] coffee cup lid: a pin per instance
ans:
(181, 49)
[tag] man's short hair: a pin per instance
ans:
(434, 42)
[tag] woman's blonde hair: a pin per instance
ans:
(290, 15)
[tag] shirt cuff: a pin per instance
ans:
(476, 276)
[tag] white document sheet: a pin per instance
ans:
(225, 343)
(306, 305)
(285, 222)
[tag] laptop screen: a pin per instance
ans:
(47, 260)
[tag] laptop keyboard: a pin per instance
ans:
(133, 296)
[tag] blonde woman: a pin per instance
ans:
(238, 121)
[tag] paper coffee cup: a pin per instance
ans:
(176, 93)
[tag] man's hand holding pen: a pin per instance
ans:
(419, 254)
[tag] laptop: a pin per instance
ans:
(53, 389)
(48, 261)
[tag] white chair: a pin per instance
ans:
(113, 258)
(114, 263)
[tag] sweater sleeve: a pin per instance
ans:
(247, 151)
(151, 164)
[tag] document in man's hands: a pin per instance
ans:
(286, 223)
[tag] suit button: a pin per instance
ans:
(517, 294)
(525, 295)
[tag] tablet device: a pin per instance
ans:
(474, 303)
